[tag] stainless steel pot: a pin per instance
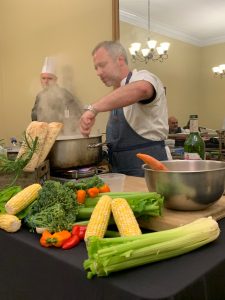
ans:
(76, 151)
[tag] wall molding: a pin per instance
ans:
(166, 30)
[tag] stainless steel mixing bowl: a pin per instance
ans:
(189, 184)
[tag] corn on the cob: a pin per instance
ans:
(124, 218)
(9, 223)
(99, 220)
(22, 199)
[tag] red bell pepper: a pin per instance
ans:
(75, 230)
(82, 231)
(71, 242)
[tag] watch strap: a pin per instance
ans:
(91, 108)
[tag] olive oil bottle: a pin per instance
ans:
(194, 146)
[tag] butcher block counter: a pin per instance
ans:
(173, 218)
(136, 184)
(31, 272)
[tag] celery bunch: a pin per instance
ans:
(143, 204)
(115, 254)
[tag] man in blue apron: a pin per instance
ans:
(138, 120)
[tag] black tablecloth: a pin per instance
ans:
(31, 272)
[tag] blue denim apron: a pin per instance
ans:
(124, 143)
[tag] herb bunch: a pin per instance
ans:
(15, 167)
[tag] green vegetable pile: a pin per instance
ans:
(56, 208)
(84, 184)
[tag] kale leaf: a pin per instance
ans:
(55, 208)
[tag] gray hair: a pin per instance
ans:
(114, 48)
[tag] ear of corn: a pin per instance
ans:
(124, 218)
(21, 200)
(99, 220)
(9, 223)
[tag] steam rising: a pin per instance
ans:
(56, 104)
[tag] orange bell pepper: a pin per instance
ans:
(81, 195)
(60, 237)
(93, 192)
(104, 188)
(45, 236)
(56, 239)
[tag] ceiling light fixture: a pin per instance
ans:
(219, 71)
(152, 52)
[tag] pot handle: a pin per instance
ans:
(91, 146)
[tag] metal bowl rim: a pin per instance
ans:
(146, 167)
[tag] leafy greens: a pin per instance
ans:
(56, 208)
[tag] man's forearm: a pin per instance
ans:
(124, 96)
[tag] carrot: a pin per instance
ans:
(81, 195)
(104, 188)
(152, 162)
(93, 192)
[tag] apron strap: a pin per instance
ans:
(128, 77)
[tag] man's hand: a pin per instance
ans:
(87, 121)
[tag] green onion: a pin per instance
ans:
(115, 254)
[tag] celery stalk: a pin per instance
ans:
(153, 196)
(142, 204)
(84, 213)
(116, 254)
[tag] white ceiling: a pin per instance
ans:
(199, 22)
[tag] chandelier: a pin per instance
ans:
(219, 71)
(152, 52)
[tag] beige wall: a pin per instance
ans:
(68, 29)
(31, 30)
(212, 99)
(191, 86)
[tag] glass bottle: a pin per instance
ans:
(194, 146)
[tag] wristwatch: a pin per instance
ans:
(91, 108)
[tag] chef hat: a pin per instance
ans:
(49, 66)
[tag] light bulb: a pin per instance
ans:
(145, 52)
(222, 67)
(165, 46)
(151, 44)
(160, 50)
(136, 46)
(132, 51)
(215, 69)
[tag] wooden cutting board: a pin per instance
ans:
(172, 218)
